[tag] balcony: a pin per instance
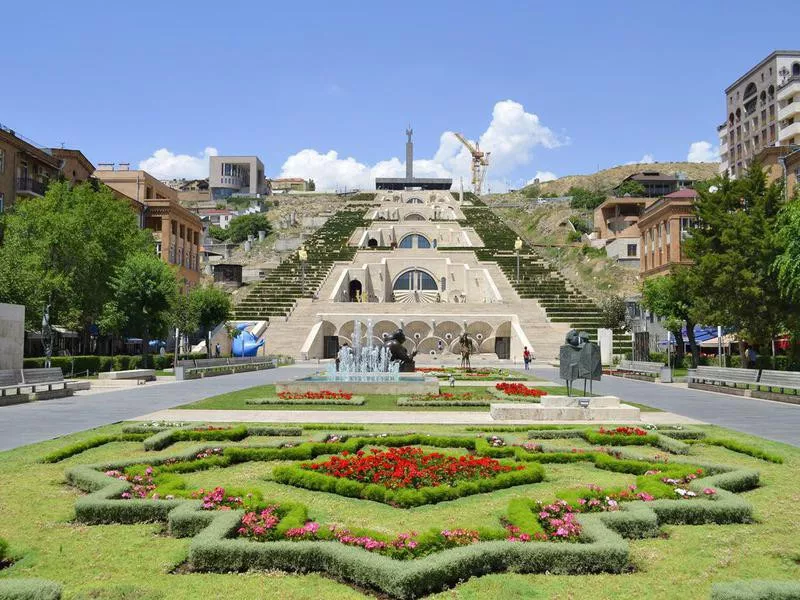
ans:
(789, 133)
(26, 185)
(790, 110)
(790, 87)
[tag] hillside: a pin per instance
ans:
(609, 178)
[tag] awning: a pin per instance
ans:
(727, 340)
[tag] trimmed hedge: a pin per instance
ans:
(409, 402)
(3, 549)
(98, 364)
(29, 589)
(100, 440)
(602, 546)
(354, 401)
(756, 590)
(332, 427)
(404, 498)
(742, 448)
(592, 436)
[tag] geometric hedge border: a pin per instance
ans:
(603, 548)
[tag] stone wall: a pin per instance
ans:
(12, 335)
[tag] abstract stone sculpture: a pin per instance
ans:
(579, 359)
(398, 352)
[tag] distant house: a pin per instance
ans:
(289, 184)
(657, 184)
(664, 226)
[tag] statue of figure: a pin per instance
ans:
(466, 347)
(398, 352)
(579, 359)
(47, 336)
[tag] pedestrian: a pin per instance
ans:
(751, 357)
(216, 350)
(452, 380)
(526, 357)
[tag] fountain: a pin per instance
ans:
(364, 368)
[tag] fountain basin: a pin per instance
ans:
(401, 383)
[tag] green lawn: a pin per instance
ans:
(237, 400)
(119, 562)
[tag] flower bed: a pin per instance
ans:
(446, 399)
(622, 431)
(408, 467)
(519, 389)
(320, 395)
(351, 401)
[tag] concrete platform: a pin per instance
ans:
(407, 385)
(566, 408)
(138, 374)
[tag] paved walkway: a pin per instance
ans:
(23, 424)
(376, 416)
(772, 420)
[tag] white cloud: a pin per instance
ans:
(647, 159)
(543, 176)
(703, 152)
(511, 136)
(164, 164)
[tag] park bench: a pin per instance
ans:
(784, 380)
(29, 384)
(43, 378)
(722, 376)
(140, 375)
(640, 367)
(210, 367)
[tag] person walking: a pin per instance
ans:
(216, 350)
(526, 357)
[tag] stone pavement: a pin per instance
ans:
(772, 420)
(376, 416)
(22, 424)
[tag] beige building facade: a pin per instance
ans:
(762, 110)
(176, 230)
(26, 169)
(240, 175)
(663, 226)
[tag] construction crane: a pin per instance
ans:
(480, 161)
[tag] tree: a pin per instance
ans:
(613, 312)
(218, 233)
(734, 247)
(112, 321)
(632, 188)
(244, 225)
(311, 186)
(787, 263)
(670, 296)
(63, 249)
(183, 318)
(532, 191)
(212, 307)
(145, 290)
(583, 198)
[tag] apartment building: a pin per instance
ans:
(239, 175)
(762, 109)
(663, 227)
(616, 225)
(26, 168)
(176, 230)
(75, 167)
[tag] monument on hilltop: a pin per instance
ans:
(409, 182)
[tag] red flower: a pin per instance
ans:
(519, 389)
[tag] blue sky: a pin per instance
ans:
(608, 82)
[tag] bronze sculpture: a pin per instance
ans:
(579, 359)
(466, 347)
(398, 352)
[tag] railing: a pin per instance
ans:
(26, 184)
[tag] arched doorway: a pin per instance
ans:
(372, 243)
(415, 286)
(355, 290)
(414, 240)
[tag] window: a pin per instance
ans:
(415, 280)
(796, 70)
(632, 250)
(2, 161)
(414, 240)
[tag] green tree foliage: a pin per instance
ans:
(630, 188)
(532, 191)
(734, 247)
(212, 306)
(613, 312)
(145, 289)
(241, 227)
(311, 186)
(583, 198)
(63, 249)
(671, 296)
(787, 264)
(218, 233)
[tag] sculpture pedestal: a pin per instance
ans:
(566, 408)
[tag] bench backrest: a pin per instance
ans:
(787, 379)
(727, 374)
(8, 377)
(210, 362)
(42, 375)
(632, 365)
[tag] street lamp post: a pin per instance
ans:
(302, 254)
(517, 248)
